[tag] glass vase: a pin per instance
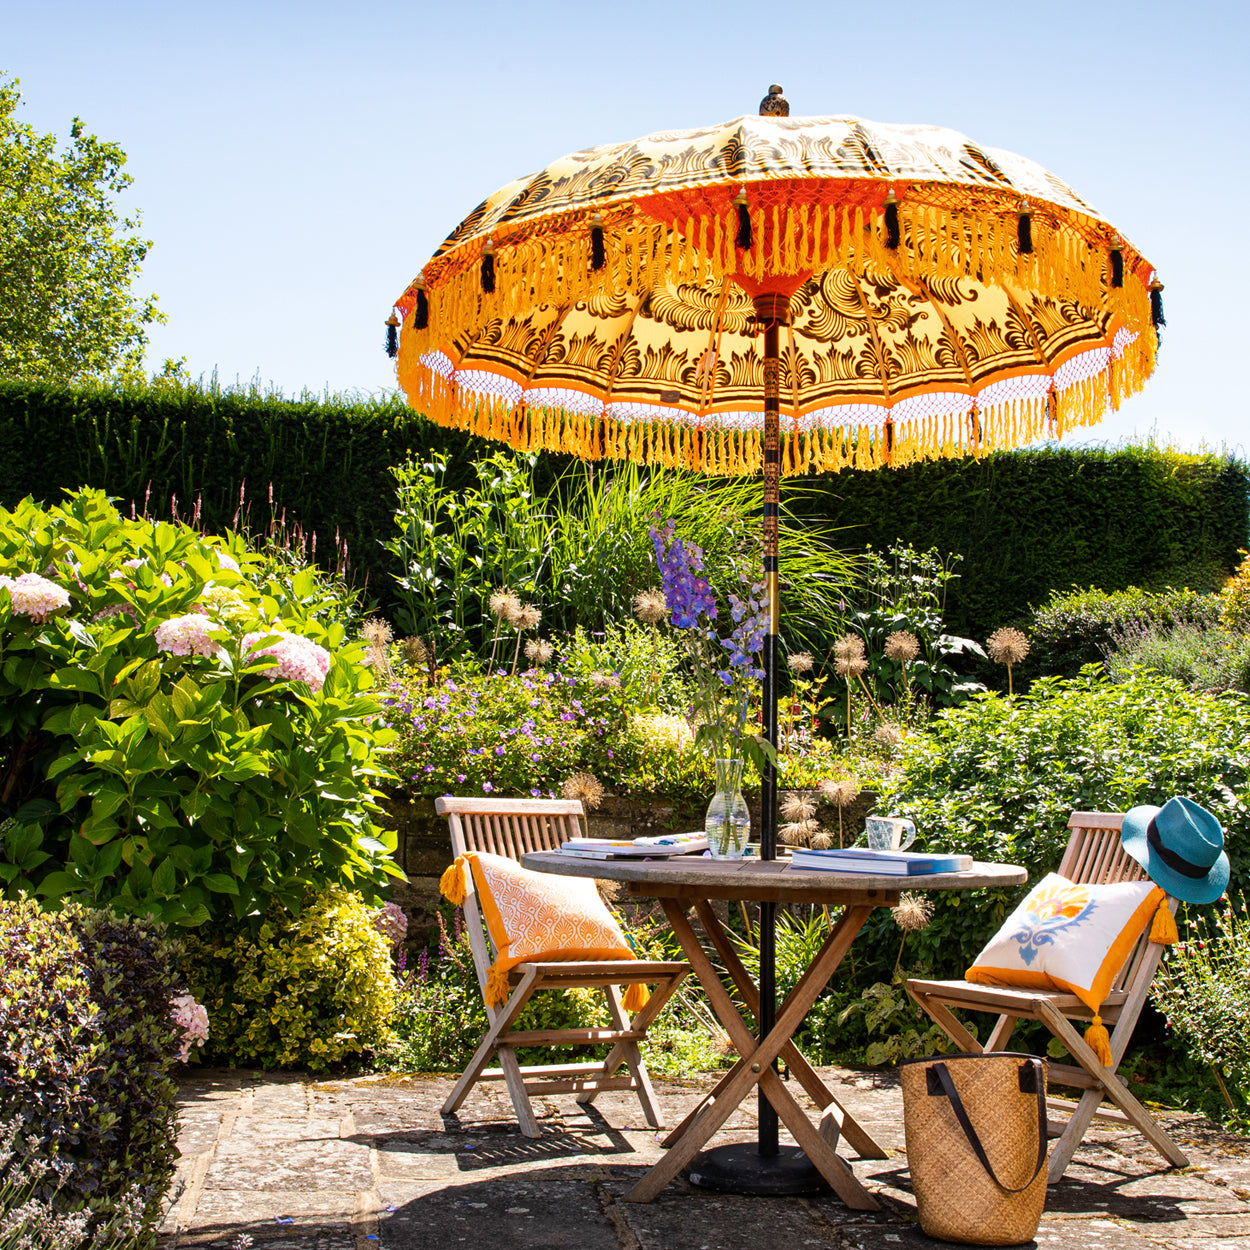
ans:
(728, 822)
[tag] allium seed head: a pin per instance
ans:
(902, 645)
(1007, 646)
(849, 658)
(527, 617)
(538, 652)
(650, 606)
(842, 793)
(912, 912)
(505, 605)
(585, 787)
(798, 805)
(800, 662)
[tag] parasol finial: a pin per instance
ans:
(774, 104)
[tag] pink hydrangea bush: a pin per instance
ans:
(155, 764)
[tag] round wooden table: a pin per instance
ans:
(692, 881)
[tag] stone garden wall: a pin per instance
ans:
(424, 849)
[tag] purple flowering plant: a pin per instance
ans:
(727, 667)
(497, 733)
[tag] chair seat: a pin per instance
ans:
(1095, 855)
(1017, 1002)
(610, 971)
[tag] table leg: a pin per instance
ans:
(757, 1065)
(854, 1133)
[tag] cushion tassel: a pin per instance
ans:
(496, 986)
(635, 998)
(598, 253)
(392, 336)
(1024, 230)
(452, 885)
(891, 221)
(743, 237)
(1099, 1041)
(1163, 927)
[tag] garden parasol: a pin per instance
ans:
(782, 295)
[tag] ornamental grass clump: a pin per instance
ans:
(185, 731)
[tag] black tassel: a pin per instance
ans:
(421, 318)
(1024, 234)
(598, 253)
(392, 336)
(743, 239)
(891, 222)
(1117, 267)
(488, 270)
(1157, 319)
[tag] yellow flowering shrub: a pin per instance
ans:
(306, 991)
(1235, 597)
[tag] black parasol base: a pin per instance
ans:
(741, 1169)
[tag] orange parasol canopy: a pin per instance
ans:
(944, 299)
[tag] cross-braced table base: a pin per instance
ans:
(755, 1065)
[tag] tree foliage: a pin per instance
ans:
(67, 261)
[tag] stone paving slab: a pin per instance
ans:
(303, 1164)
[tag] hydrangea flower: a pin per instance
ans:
(187, 635)
(35, 596)
(391, 922)
(192, 1018)
(298, 658)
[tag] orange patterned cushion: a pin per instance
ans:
(535, 916)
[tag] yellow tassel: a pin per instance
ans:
(1163, 927)
(635, 998)
(1099, 1041)
(496, 986)
(452, 884)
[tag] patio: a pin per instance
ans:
(353, 1164)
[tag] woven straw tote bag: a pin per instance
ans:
(976, 1145)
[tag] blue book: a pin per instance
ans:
(858, 859)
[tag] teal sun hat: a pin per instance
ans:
(1181, 847)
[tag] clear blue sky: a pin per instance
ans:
(296, 164)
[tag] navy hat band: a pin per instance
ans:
(1171, 858)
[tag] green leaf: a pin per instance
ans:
(221, 883)
(164, 879)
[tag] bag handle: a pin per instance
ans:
(948, 1088)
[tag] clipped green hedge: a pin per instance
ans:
(323, 462)
(1031, 522)
(1027, 523)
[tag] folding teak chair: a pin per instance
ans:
(513, 827)
(1094, 857)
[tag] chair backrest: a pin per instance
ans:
(1096, 857)
(510, 827)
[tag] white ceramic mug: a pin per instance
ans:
(890, 833)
